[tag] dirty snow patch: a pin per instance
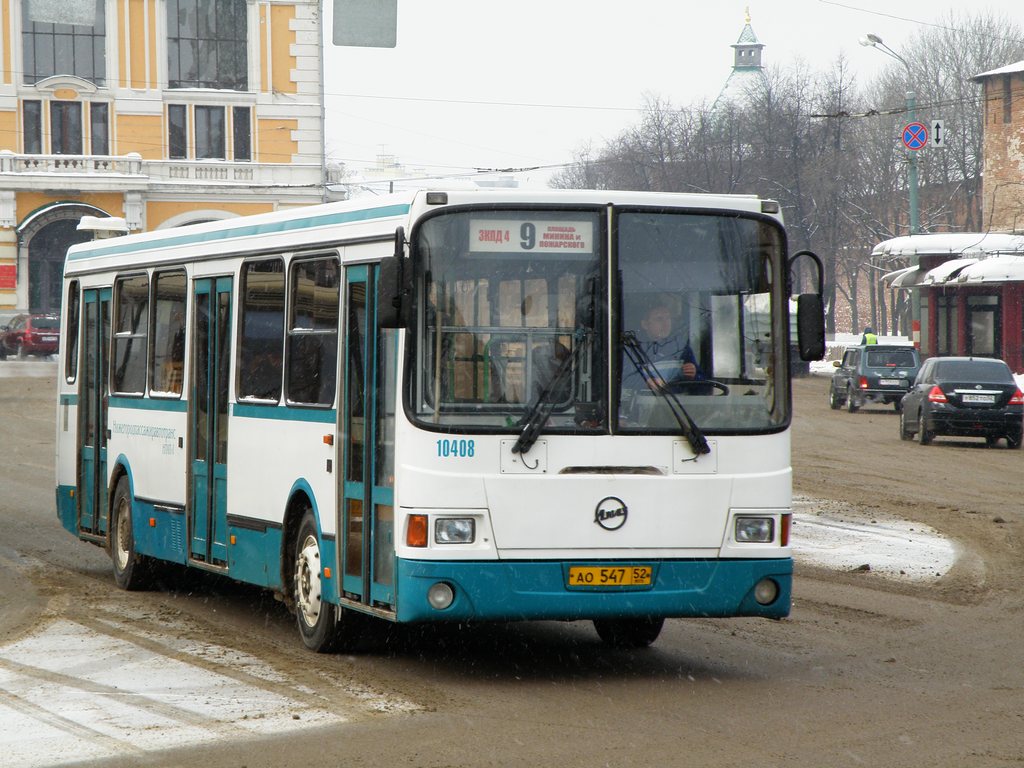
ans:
(845, 539)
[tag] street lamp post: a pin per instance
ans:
(874, 41)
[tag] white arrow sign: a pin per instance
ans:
(937, 136)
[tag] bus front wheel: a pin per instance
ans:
(325, 627)
(130, 568)
(629, 633)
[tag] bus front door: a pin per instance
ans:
(211, 335)
(368, 422)
(93, 504)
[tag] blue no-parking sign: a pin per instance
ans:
(915, 135)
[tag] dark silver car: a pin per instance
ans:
(964, 397)
(874, 373)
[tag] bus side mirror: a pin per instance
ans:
(391, 287)
(810, 326)
(810, 312)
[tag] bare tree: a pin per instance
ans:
(830, 152)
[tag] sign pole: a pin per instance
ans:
(912, 171)
(915, 138)
(915, 296)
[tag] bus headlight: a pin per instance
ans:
(755, 530)
(455, 530)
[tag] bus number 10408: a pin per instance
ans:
(456, 449)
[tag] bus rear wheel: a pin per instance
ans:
(629, 633)
(131, 570)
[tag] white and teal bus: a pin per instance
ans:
(416, 408)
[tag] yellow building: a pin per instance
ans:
(162, 112)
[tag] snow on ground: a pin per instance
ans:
(837, 536)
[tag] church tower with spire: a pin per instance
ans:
(747, 67)
(747, 50)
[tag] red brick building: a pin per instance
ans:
(1003, 179)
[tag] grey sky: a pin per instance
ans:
(482, 84)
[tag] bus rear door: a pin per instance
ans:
(93, 502)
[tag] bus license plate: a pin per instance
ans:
(610, 576)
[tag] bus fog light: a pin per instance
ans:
(757, 530)
(440, 596)
(766, 591)
(455, 530)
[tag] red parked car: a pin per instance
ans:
(28, 335)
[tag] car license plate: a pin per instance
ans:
(889, 382)
(972, 398)
(49, 338)
(609, 576)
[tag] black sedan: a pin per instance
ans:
(964, 397)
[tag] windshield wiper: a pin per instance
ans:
(636, 354)
(534, 420)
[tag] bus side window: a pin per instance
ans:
(168, 361)
(261, 354)
(71, 332)
(313, 331)
(131, 329)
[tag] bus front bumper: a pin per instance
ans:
(526, 590)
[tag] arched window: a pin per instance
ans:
(46, 252)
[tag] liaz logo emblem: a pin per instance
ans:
(611, 513)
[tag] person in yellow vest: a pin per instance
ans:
(869, 337)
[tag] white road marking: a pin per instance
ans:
(71, 692)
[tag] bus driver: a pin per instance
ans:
(663, 347)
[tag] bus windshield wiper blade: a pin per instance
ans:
(533, 422)
(650, 375)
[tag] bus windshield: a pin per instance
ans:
(507, 300)
(527, 318)
(701, 298)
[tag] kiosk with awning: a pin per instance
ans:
(971, 289)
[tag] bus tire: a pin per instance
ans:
(320, 622)
(629, 633)
(131, 570)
